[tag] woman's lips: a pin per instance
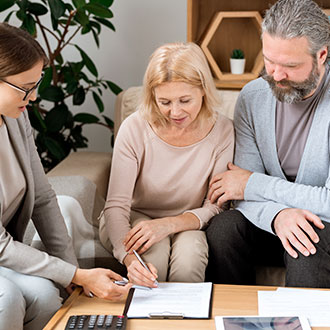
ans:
(178, 120)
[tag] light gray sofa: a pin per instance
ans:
(83, 177)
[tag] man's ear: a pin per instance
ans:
(322, 54)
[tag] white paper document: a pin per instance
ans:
(313, 304)
(189, 300)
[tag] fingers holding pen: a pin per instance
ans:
(139, 275)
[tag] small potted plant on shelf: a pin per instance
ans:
(237, 61)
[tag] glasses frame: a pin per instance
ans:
(26, 91)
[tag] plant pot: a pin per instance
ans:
(237, 65)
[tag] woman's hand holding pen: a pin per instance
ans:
(146, 233)
(138, 274)
(99, 282)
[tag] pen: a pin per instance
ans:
(125, 281)
(143, 264)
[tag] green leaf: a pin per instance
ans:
(79, 96)
(88, 62)
(115, 88)
(69, 121)
(86, 118)
(106, 3)
(56, 118)
(69, 7)
(37, 9)
(20, 14)
(105, 23)
(54, 22)
(5, 4)
(76, 66)
(36, 119)
(81, 17)
(97, 26)
(78, 3)
(52, 93)
(84, 77)
(57, 8)
(47, 79)
(78, 140)
(22, 4)
(98, 10)
(7, 18)
(54, 148)
(29, 24)
(109, 122)
(86, 29)
(96, 38)
(59, 59)
(98, 102)
(71, 87)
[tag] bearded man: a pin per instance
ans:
(280, 182)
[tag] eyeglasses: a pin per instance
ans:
(27, 92)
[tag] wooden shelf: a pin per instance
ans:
(214, 26)
(219, 34)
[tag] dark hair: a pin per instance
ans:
(299, 18)
(19, 51)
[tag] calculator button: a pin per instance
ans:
(108, 321)
(100, 320)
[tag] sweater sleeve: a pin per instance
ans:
(224, 154)
(124, 170)
(247, 156)
(263, 188)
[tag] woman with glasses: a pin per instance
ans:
(28, 296)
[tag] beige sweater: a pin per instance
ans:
(159, 180)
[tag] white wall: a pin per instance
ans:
(141, 26)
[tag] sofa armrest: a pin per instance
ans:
(95, 166)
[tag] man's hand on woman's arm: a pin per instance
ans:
(229, 185)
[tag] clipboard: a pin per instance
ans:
(173, 301)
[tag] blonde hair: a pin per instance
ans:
(178, 62)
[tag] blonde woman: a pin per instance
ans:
(164, 156)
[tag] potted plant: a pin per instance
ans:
(65, 83)
(237, 61)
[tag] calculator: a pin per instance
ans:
(109, 322)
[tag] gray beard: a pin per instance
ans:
(295, 91)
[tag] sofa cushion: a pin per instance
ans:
(84, 191)
(80, 205)
(95, 166)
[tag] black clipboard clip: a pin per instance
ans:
(166, 315)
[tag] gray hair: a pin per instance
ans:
(289, 19)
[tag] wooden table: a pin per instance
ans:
(227, 300)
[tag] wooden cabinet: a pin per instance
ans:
(219, 26)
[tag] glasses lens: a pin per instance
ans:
(30, 91)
